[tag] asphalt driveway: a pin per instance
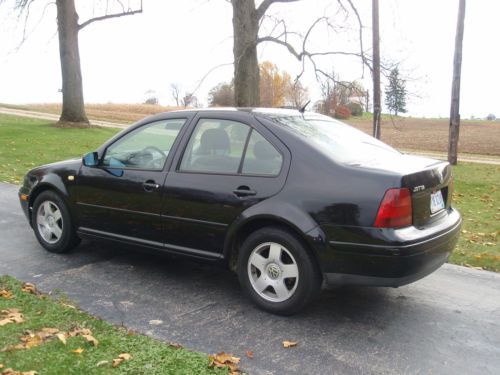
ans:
(448, 323)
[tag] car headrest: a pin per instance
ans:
(215, 142)
(264, 151)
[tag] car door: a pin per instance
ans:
(121, 197)
(227, 163)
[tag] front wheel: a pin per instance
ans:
(277, 271)
(52, 223)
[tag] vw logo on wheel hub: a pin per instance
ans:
(273, 271)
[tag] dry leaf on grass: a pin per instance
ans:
(102, 363)
(91, 339)
(1, 366)
(79, 332)
(67, 305)
(6, 294)
(175, 345)
(31, 339)
(61, 337)
(9, 371)
(11, 316)
(289, 344)
(29, 288)
(122, 357)
(78, 351)
(224, 360)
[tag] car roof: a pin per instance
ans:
(257, 110)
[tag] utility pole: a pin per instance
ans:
(455, 87)
(376, 70)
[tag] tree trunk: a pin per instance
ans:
(377, 106)
(73, 109)
(455, 88)
(246, 66)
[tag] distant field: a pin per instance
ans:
(476, 136)
(121, 113)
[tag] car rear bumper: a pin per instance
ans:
(393, 264)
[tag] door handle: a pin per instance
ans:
(244, 191)
(150, 185)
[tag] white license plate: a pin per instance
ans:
(437, 202)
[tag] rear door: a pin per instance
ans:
(228, 162)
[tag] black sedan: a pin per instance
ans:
(288, 200)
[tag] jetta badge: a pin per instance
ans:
(418, 188)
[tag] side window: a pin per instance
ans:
(215, 146)
(144, 148)
(261, 157)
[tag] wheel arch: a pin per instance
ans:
(48, 183)
(312, 238)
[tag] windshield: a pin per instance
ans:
(338, 140)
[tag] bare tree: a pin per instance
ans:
(297, 94)
(73, 109)
(247, 19)
(455, 89)
(176, 93)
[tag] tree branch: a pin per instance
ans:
(264, 6)
(107, 16)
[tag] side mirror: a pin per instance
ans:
(91, 159)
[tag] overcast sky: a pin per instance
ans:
(179, 41)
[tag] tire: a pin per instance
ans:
(52, 223)
(265, 260)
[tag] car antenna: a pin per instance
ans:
(303, 108)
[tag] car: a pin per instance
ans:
(289, 200)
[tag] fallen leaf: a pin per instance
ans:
(91, 339)
(122, 357)
(29, 288)
(1, 366)
(9, 371)
(11, 316)
(6, 294)
(67, 305)
(78, 351)
(79, 332)
(61, 337)
(102, 363)
(222, 359)
(175, 345)
(289, 344)
(249, 354)
(155, 322)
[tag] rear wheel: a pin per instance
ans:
(277, 271)
(52, 223)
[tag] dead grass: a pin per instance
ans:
(476, 136)
(123, 113)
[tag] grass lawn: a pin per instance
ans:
(477, 197)
(25, 143)
(52, 356)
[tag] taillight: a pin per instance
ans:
(395, 210)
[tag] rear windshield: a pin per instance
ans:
(338, 140)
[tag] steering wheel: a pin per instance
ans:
(154, 162)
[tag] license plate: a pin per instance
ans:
(437, 202)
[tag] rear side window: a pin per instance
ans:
(216, 146)
(261, 157)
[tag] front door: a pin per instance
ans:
(227, 166)
(121, 197)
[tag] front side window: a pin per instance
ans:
(216, 146)
(144, 148)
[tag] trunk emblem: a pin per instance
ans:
(418, 188)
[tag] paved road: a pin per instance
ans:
(448, 323)
(469, 158)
